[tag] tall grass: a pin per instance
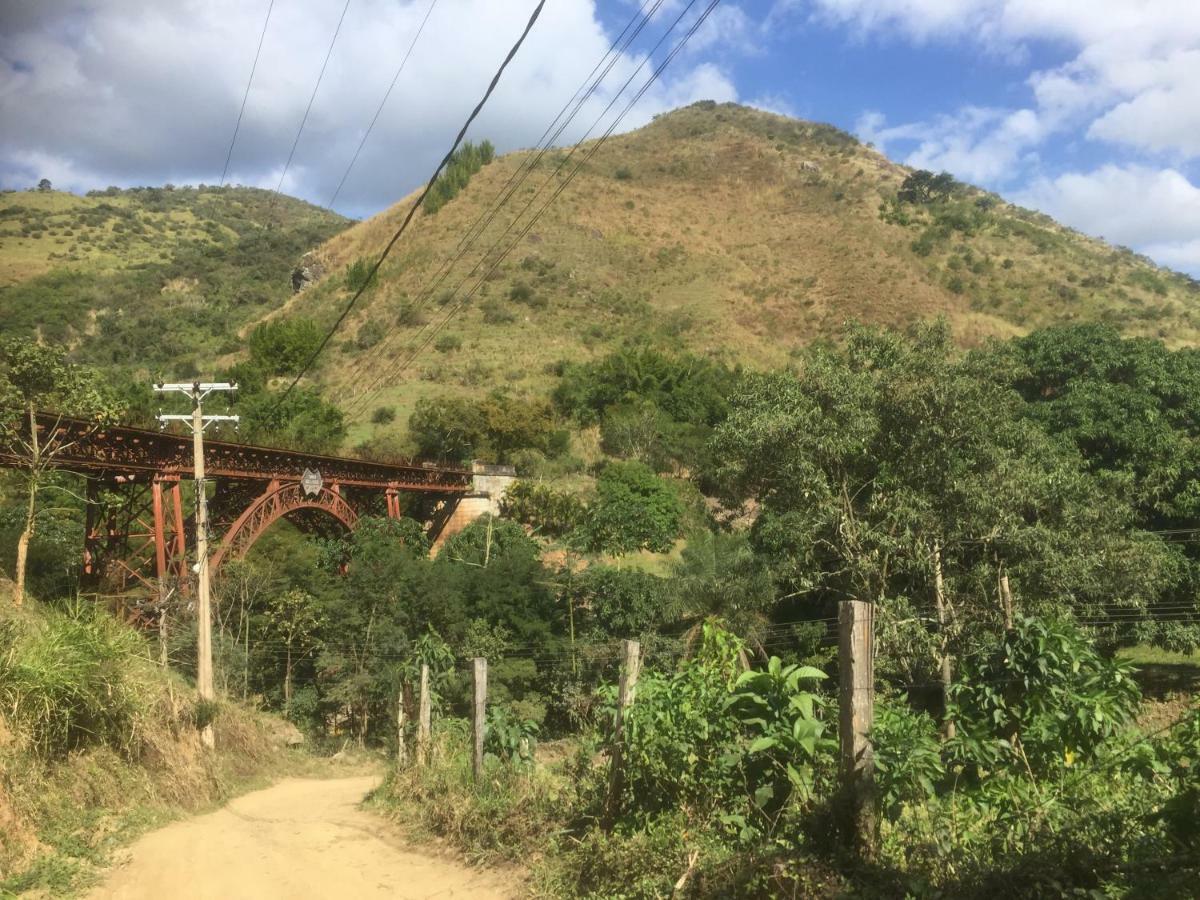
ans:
(73, 681)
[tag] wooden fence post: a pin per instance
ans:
(401, 749)
(630, 667)
(479, 718)
(856, 705)
(423, 718)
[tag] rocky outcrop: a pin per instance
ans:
(308, 272)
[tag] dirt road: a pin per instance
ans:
(301, 838)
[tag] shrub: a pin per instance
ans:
(463, 163)
(358, 274)
(283, 346)
(370, 333)
(1042, 696)
(447, 343)
(72, 682)
(908, 761)
(496, 313)
(540, 506)
(622, 174)
(383, 415)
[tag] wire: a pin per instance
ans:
(570, 177)
(413, 209)
(516, 179)
(238, 124)
(316, 87)
(382, 103)
(398, 370)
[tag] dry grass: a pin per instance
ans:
(62, 813)
(724, 240)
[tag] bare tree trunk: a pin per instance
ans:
(939, 596)
(30, 513)
(287, 682)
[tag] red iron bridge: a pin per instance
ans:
(139, 520)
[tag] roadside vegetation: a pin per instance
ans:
(99, 743)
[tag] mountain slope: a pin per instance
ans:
(160, 277)
(727, 231)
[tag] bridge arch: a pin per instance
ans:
(279, 501)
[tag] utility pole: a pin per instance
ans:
(197, 391)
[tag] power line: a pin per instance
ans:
(382, 104)
(520, 174)
(245, 96)
(413, 209)
(397, 370)
(316, 87)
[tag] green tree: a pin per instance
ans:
(873, 457)
(35, 377)
(293, 619)
(303, 420)
(719, 576)
(923, 187)
(634, 510)
(495, 426)
(283, 346)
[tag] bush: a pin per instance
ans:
(496, 313)
(540, 506)
(283, 346)
(370, 333)
(464, 162)
(383, 415)
(622, 174)
(447, 343)
(908, 760)
(358, 274)
(72, 682)
(1043, 696)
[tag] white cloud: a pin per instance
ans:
(1136, 68)
(135, 92)
(1156, 211)
(979, 144)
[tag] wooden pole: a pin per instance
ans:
(480, 715)
(939, 597)
(401, 749)
(856, 704)
(423, 718)
(1006, 600)
(630, 667)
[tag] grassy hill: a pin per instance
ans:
(131, 277)
(726, 231)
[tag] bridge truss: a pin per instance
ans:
(139, 518)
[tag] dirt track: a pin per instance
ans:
(301, 838)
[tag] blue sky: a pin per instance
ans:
(1086, 109)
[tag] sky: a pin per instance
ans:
(1088, 110)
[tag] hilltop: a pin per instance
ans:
(729, 232)
(129, 277)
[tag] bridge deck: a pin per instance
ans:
(139, 454)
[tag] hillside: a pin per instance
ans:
(130, 277)
(728, 231)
